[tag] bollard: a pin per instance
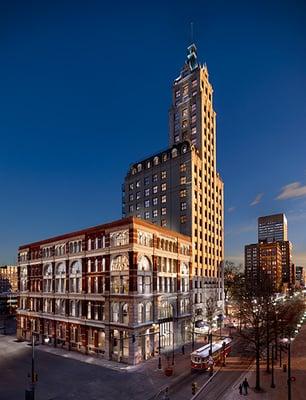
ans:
(284, 367)
(193, 388)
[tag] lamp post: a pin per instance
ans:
(272, 367)
(172, 335)
(289, 370)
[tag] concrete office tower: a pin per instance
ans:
(180, 188)
(272, 228)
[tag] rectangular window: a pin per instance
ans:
(164, 187)
(137, 206)
(131, 186)
(147, 215)
(155, 201)
(155, 188)
(147, 192)
(183, 167)
(194, 83)
(154, 178)
(164, 198)
(177, 94)
(193, 119)
(138, 184)
(146, 180)
(163, 211)
(131, 197)
(194, 131)
(184, 113)
(164, 174)
(183, 206)
(131, 208)
(147, 203)
(137, 195)
(185, 91)
(193, 107)
(183, 193)
(183, 180)
(154, 213)
(183, 219)
(184, 124)
(163, 222)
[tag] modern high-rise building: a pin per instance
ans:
(272, 228)
(263, 264)
(180, 188)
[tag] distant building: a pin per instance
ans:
(8, 289)
(272, 228)
(8, 278)
(114, 290)
(263, 265)
(300, 274)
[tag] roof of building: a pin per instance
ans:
(109, 225)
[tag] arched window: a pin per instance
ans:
(149, 314)
(141, 313)
(75, 277)
(184, 278)
(174, 153)
(120, 238)
(115, 312)
(124, 318)
(144, 275)
(156, 160)
(47, 285)
(23, 279)
(144, 264)
(165, 310)
(60, 278)
(120, 274)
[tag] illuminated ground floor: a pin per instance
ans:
(110, 341)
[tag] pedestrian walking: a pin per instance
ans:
(240, 389)
(245, 385)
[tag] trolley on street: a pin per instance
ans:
(201, 359)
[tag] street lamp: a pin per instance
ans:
(272, 365)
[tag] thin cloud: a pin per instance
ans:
(257, 199)
(292, 190)
(231, 209)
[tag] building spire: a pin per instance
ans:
(192, 51)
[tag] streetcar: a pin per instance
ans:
(201, 360)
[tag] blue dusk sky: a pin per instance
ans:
(85, 91)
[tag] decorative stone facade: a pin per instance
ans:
(114, 290)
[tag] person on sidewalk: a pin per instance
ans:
(240, 388)
(245, 385)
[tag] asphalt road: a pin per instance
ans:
(64, 379)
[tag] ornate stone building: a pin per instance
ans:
(180, 187)
(119, 290)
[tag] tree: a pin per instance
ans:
(265, 318)
(232, 272)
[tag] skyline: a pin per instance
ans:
(61, 100)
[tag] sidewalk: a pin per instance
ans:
(280, 392)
